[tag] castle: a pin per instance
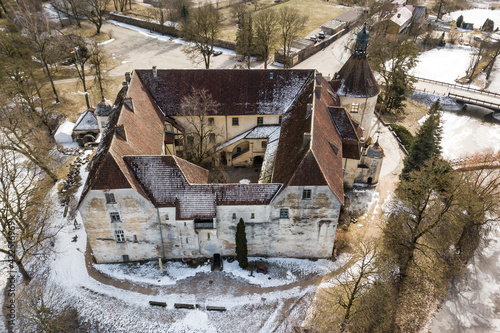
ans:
(304, 134)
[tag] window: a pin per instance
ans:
(190, 140)
(211, 138)
(252, 216)
(211, 121)
(187, 240)
(115, 217)
(234, 216)
(135, 239)
(120, 236)
(208, 236)
(354, 107)
(238, 149)
(283, 213)
(125, 258)
(306, 195)
(260, 121)
(263, 144)
(236, 121)
(166, 217)
(110, 198)
(280, 119)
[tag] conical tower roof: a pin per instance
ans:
(355, 78)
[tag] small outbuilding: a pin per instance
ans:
(86, 129)
(63, 133)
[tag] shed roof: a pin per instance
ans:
(87, 122)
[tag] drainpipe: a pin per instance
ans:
(161, 234)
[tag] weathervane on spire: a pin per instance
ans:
(362, 42)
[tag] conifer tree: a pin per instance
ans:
(427, 142)
(460, 19)
(241, 244)
(245, 44)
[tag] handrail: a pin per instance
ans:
(475, 100)
(456, 86)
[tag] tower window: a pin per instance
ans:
(115, 217)
(354, 107)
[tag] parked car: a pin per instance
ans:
(313, 38)
(321, 35)
(216, 53)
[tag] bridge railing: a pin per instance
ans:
(456, 86)
(473, 100)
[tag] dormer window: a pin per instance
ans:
(110, 198)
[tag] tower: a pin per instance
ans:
(356, 86)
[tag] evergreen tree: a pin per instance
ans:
(241, 244)
(245, 44)
(460, 20)
(426, 143)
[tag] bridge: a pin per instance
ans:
(461, 93)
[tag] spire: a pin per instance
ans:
(362, 42)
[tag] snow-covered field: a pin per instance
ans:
(445, 64)
(478, 16)
(463, 135)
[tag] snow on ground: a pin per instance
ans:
(164, 38)
(106, 42)
(463, 135)
(447, 103)
(444, 64)
(472, 305)
(150, 272)
(281, 271)
(478, 16)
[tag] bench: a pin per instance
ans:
(183, 306)
(155, 303)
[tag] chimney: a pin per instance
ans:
(306, 139)
(309, 110)
(87, 99)
(155, 72)
(319, 77)
(127, 77)
(317, 88)
(399, 15)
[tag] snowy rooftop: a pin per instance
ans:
(86, 122)
(402, 16)
(259, 132)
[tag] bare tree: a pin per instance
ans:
(38, 29)
(80, 54)
(45, 307)
(25, 211)
(99, 61)
(290, 23)
(72, 9)
(200, 135)
(354, 281)
(94, 11)
(266, 33)
(164, 13)
(203, 28)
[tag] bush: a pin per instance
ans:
(404, 135)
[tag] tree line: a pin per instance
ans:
(435, 222)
